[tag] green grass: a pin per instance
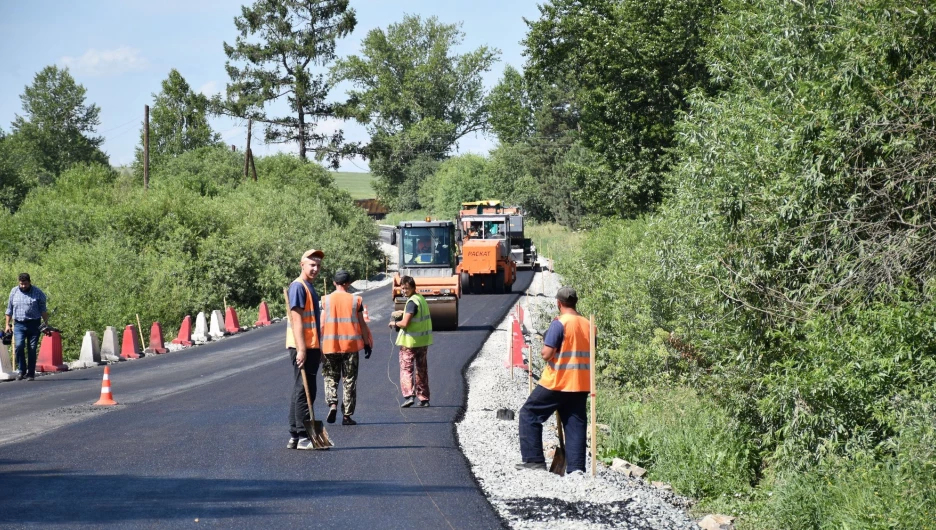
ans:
(357, 184)
(549, 238)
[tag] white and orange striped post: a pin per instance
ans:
(107, 398)
(594, 426)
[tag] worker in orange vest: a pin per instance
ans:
(563, 386)
(303, 345)
(344, 334)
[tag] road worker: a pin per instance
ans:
(563, 387)
(302, 343)
(414, 339)
(344, 334)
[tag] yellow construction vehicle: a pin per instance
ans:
(427, 253)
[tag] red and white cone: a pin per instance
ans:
(366, 318)
(106, 397)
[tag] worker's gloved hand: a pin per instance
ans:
(367, 351)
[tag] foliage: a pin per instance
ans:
(178, 123)
(681, 437)
(293, 37)
(631, 64)
(104, 250)
(457, 180)
(416, 97)
(511, 111)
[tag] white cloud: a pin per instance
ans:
(96, 62)
(209, 89)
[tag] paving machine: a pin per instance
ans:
(521, 248)
(427, 253)
(485, 263)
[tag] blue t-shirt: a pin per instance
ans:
(554, 335)
(297, 300)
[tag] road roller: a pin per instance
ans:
(427, 253)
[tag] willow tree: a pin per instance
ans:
(280, 45)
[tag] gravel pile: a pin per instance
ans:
(539, 499)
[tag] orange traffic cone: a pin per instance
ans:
(366, 318)
(106, 397)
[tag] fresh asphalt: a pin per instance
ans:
(199, 439)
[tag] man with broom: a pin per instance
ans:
(563, 387)
(302, 342)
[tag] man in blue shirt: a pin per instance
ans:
(26, 310)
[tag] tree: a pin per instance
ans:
(511, 111)
(178, 122)
(633, 62)
(293, 37)
(416, 97)
(58, 126)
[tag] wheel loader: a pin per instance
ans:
(427, 253)
(486, 264)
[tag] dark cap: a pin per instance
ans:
(313, 253)
(342, 277)
(567, 295)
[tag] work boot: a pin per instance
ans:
(531, 465)
(424, 403)
(332, 414)
(348, 421)
(407, 403)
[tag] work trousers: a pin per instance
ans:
(541, 404)
(26, 335)
(338, 366)
(298, 408)
(414, 368)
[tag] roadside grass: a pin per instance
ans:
(552, 238)
(359, 185)
(395, 218)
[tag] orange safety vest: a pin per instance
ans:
(341, 324)
(570, 369)
(309, 331)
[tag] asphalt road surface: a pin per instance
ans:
(199, 440)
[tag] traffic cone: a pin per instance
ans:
(106, 397)
(156, 343)
(185, 332)
(263, 315)
(231, 325)
(366, 318)
(130, 347)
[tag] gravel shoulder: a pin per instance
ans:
(538, 499)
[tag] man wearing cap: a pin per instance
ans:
(26, 309)
(563, 387)
(344, 334)
(303, 345)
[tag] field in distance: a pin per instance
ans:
(357, 184)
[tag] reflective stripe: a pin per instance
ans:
(309, 327)
(341, 328)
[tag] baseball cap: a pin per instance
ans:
(567, 295)
(342, 277)
(313, 253)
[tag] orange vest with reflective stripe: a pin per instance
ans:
(309, 331)
(570, 368)
(341, 325)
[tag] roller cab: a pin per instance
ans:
(427, 253)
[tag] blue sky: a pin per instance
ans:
(121, 51)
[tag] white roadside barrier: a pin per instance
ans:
(90, 352)
(200, 336)
(6, 366)
(217, 322)
(110, 346)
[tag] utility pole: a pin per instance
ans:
(146, 147)
(247, 151)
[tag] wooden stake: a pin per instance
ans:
(510, 349)
(594, 426)
(140, 329)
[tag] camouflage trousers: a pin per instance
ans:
(336, 366)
